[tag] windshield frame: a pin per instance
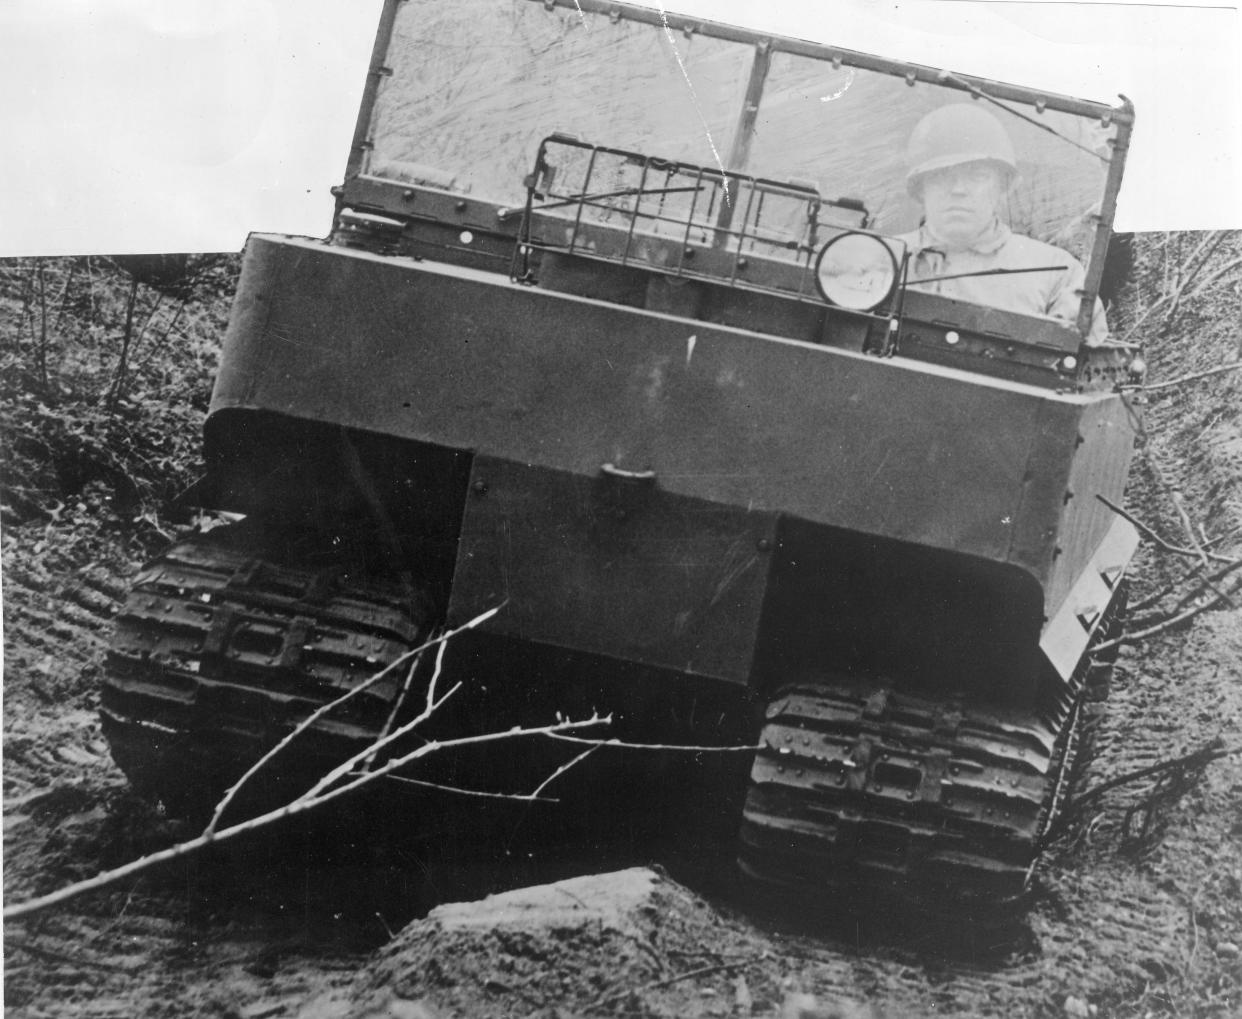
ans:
(765, 46)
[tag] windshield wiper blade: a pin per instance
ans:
(978, 93)
(986, 272)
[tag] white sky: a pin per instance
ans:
(181, 125)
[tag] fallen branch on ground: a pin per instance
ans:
(1209, 583)
(702, 971)
(1182, 380)
(293, 809)
(679, 747)
(340, 781)
(1187, 764)
(1202, 556)
(1168, 546)
(61, 957)
(1213, 751)
(1166, 624)
(1172, 585)
(440, 641)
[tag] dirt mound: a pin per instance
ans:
(589, 943)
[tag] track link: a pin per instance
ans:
(854, 790)
(858, 789)
(218, 654)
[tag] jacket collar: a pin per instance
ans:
(988, 243)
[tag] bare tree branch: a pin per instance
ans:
(1213, 751)
(327, 789)
(231, 794)
(1181, 380)
(561, 771)
(1193, 266)
(1168, 624)
(480, 794)
(1227, 267)
(1166, 545)
(398, 703)
(1209, 583)
(1164, 590)
(1189, 763)
(53, 956)
(744, 748)
(299, 806)
(702, 971)
(1172, 298)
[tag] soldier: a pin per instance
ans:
(961, 167)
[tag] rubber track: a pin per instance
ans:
(858, 789)
(217, 655)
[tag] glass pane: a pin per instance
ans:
(848, 129)
(477, 84)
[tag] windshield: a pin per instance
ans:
(477, 84)
(473, 87)
(848, 129)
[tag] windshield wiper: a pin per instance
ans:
(986, 272)
(978, 93)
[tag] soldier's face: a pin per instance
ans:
(960, 202)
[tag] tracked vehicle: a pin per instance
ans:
(616, 329)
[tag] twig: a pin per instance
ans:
(343, 769)
(155, 307)
(397, 704)
(113, 396)
(1170, 586)
(1166, 545)
(1193, 265)
(1215, 276)
(299, 806)
(487, 794)
(1213, 751)
(702, 971)
(561, 771)
(745, 748)
(1173, 299)
(1179, 505)
(1209, 582)
(64, 294)
(1232, 532)
(41, 352)
(1195, 376)
(159, 341)
(1168, 624)
(231, 794)
(48, 953)
(482, 794)
(1194, 761)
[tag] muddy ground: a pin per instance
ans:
(1137, 908)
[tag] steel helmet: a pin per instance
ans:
(955, 134)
